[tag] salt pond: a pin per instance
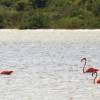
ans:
(47, 64)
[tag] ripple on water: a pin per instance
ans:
(49, 70)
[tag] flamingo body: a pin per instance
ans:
(91, 70)
(88, 70)
(98, 81)
(6, 72)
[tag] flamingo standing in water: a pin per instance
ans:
(6, 72)
(88, 70)
(95, 78)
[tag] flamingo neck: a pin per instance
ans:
(84, 66)
(95, 78)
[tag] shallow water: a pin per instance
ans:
(47, 64)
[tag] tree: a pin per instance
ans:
(39, 3)
(7, 3)
(1, 22)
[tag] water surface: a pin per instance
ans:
(47, 64)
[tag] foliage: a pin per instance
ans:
(33, 14)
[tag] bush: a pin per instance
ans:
(35, 21)
(7, 3)
(1, 22)
(49, 14)
(39, 3)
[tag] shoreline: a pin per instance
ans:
(49, 29)
(47, 34)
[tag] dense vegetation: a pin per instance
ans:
(30, 14)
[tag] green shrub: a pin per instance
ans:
(32, 14)
(35, 21)
(7, 3)
(39, 3)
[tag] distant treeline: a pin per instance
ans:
(63, 14)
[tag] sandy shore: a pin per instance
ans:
(45, 34)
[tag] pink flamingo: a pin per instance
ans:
(95, 79)
(6, 72)
(88, 70)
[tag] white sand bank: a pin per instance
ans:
(45, 34)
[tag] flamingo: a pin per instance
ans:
(6, 72)
(95, 79)
(88, 70)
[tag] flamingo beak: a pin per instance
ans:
(83, 59)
